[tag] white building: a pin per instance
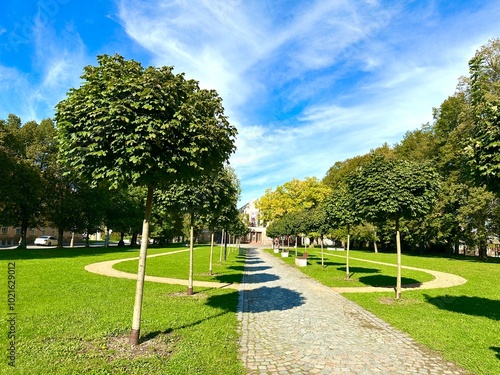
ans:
(257, 234)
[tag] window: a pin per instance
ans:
(18, 231)
(32, 232)
(4, 231)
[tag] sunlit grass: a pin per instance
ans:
(462, 322)
(177, 265)
(68, 319)
(360, 273)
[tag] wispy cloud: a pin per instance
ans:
(306, 83)
(58, 62)
(311, 83)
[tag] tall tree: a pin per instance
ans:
(484, 151)
(27, 150)
(395, 189)
(341, 211)
(292, 196)
(144, 127)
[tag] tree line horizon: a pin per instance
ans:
(437, 189)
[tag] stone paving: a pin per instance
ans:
(291, 324)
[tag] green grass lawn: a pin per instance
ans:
(462, 322)
(361, 273)
(70, 321)
(177, 265)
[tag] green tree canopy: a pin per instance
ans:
(147, 127)
(484, 151)
(292, 196)
(389, 188)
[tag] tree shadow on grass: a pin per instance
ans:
(388, 281)
(476, 306)
(154, 334)
(330, 264)
(231, 278)
(66, 252)
(354, 270)
(497, 350)
(222, 303)
(237, 268)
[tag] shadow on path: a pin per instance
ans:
(271, 299)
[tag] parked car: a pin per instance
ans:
(46, 241)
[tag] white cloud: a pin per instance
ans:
(311, 83)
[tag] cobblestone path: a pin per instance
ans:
(291, 324)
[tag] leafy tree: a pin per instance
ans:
(125, 210)
(417, 145)
(317, 222)
(207, 199)
(276, 229)
(143, 127)
(484, 151)
(396, 189)
(340, 209)
(292, 196)
(26, 150)
(339, 172)
(477, 218)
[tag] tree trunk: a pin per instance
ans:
(347, 273)
(60, 237)
(72, 242)
(322, 254)
(222, 237)
(398, 250)
(141, 272)
(191, 257)
(133, 240)
(121, 243)
(22, 240)
(210, 267)
(482, 244)
(225, 245)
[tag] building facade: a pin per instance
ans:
(257, 228)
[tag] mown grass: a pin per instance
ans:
(462, 322)
(70, 321)
(360, 273)
(177, 265)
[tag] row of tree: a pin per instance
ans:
(127, 137)
(436, 189)
(35, 192)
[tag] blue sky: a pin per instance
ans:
(307, 83)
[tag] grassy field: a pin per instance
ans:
(70, 321)
(462, 323)
(177, 265)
